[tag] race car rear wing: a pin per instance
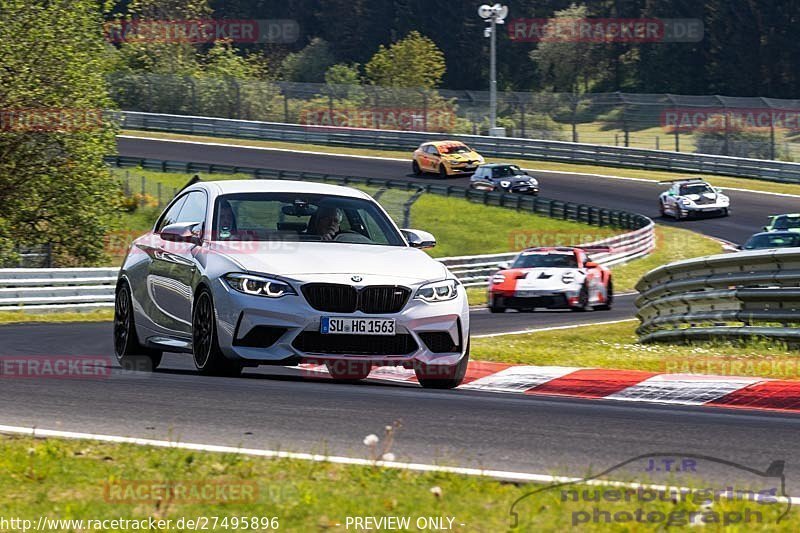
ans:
(686, 180)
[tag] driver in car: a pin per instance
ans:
(326, 222)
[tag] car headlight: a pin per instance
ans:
(533, 182)
(685, 201)
(438, 291)
(498, 278)
(258, 285)
(567, 278)
(505, 183)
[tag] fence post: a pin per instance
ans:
(144, 189)
(159, 194)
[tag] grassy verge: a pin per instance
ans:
(617, 346)
(21, 317)
(654, 175)
(84, 480)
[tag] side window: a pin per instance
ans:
(194, 209)
(171, 215)
(432, 150)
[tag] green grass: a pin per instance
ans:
(672, 244)
(67, 479)
(654, 175)
(466, 228)
(617, 346)
(20, 317)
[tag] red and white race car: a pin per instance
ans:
(555, 278)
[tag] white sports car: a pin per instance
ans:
(246, 273)
(693, 197)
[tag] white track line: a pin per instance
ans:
(553, 328)
(383, 158)
(501, 475)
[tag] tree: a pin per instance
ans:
(414, 61)
(309, 64)
(567, 65)
(54, 185)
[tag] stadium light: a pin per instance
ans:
(493, 15)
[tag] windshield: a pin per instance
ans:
(772, 241)
(545, 259)
(699, 188)
(784, 222)
(454, 149)
(506, 171)
(301, 217)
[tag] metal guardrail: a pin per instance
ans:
(532, 149)
(727, 296)
(57, 289)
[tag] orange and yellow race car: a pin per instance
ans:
(446, 158)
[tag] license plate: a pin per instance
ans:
(522, 189)
(332, 325)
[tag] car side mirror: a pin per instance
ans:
(418, 238)
(591, 264)
(504, 265)
(765, 228)
(182, 232)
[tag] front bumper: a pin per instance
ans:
(286, 330)
(703, 209)
(529, 299)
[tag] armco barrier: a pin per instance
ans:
(612, 156)
(747, 294)
(57, 289)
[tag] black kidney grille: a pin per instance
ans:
(334, 298)
(388, 299)
(331, 298)
(317, 343)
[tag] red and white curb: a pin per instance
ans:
(608, 384)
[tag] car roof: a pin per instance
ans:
(780, 233)
(295, 186)
(441, 143)
(492, 165)
(559, 249)
(788, 215)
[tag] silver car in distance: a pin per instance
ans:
(256, 272)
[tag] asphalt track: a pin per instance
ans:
(276, 408)
(749, 214)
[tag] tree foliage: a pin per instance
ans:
(414, 61)
(54, 186)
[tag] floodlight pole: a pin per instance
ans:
(493, 75)
(493, 15)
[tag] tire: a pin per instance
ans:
(443, 172)
(348, 371)
(583, 299)
(415, 168)
(726, 212)
(208, 358)
(130, 353)
(609, 297)
(661, 209)
(497, 309)
(442, 376)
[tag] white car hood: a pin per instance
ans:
(299, 259)
(543, 278)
